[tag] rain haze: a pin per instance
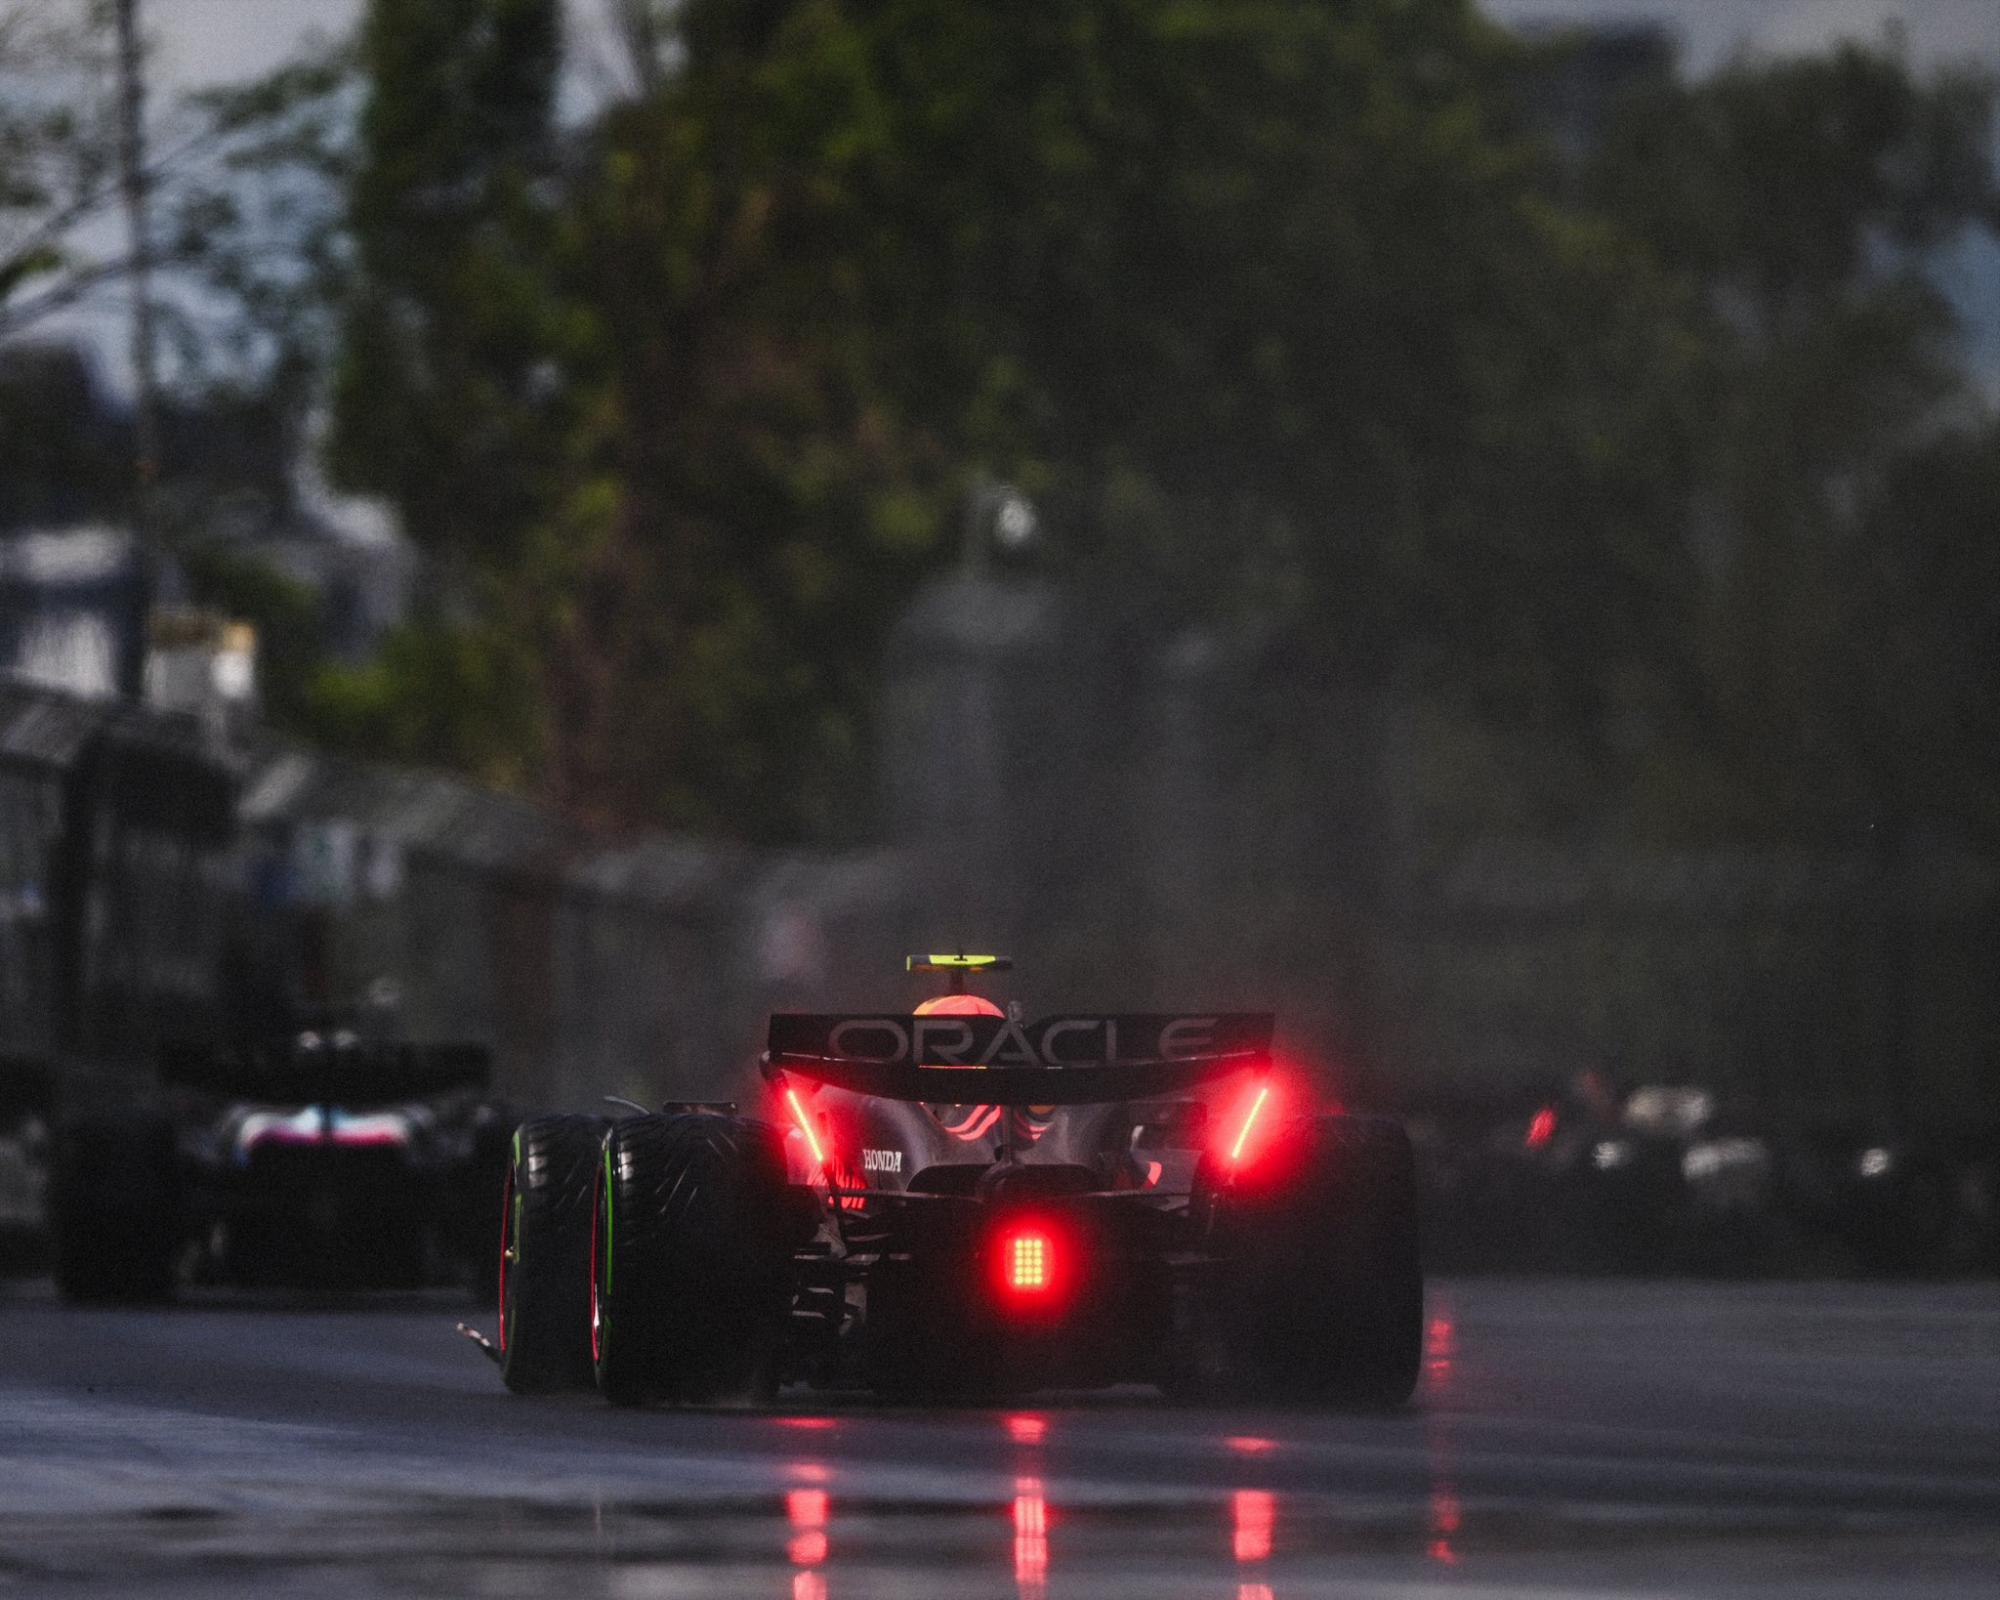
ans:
(1051, 798)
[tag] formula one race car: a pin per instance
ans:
(327, 1162)
(959, 1204)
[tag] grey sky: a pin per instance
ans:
(1710, 31)
(198, 43)
(211, 41)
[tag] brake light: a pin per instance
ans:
(1028, 1261)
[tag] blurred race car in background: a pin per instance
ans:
(326, 1161)
(1679, 1178)
(963, 1203)
(25, 1095)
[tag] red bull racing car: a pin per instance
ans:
(962, 1203)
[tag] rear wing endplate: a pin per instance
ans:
(1066, 1060)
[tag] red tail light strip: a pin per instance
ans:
(1249, 1121)
(806, 1127)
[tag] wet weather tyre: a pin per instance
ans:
(1320, 1283)
(544, 1256)
(114, 1205)
(692, 1258)
(469, 1208)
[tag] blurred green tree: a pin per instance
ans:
(1290, 314)
(448, 396)
(1801, 202)
(1273, 304)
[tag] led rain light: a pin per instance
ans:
(1030, 1262)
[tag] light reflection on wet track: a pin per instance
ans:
(1570, 1439)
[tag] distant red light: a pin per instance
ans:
(1541, 1128)
(1029, 1261)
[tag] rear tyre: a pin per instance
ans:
(114, 1207)
(544, 1257)
(1319, 1293)
(469, 1207)
(692, 1258)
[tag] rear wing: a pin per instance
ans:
(328, 1071)
(1064, 1060)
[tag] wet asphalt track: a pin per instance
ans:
(1572, 1439)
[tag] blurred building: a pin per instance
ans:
(72, 608)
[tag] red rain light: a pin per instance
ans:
(1541, 1128)
(1029, 1261)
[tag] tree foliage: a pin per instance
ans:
(1801, 202)
(441, 401)
(1264, 301)
(1293, 316)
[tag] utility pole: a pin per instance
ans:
(145, 369)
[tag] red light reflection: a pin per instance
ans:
(808, 1586)
(1253, 1591)
(1440, 1358)
(806, 1509)
(806, 1424)
(1026, 1429)
(1255, 1513)
(1244, 1444)
(1440, 1346)
(1031, 1537)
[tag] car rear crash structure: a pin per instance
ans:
(963, 1205)
(325, 1161)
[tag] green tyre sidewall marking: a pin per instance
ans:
(605, 1259)
(512, 1243)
